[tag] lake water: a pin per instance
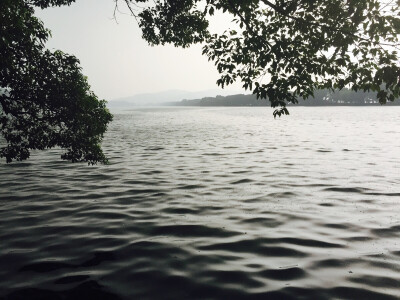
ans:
(211, 203)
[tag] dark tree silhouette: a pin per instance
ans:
(45, 101)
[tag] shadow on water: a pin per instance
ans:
(86, 290)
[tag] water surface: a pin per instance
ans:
(211, 203)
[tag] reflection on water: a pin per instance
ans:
(211, 203)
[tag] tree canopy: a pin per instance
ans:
(45, 100)
(279, 49)
(285, 49)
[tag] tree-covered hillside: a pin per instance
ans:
(321, 98)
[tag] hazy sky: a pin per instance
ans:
(116, 59)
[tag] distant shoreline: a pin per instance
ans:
(322, 98)
(176, 104)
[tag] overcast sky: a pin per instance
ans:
(116, 59)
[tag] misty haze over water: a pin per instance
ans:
(212, 203)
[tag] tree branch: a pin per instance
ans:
(346, 32)
(248, 26)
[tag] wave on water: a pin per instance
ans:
(210, 216)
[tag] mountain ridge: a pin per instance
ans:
(165, 97)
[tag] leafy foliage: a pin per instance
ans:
(285, 49)
(45, 101)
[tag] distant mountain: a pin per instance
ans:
(164, 98)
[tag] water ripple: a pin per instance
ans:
(211, 203)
